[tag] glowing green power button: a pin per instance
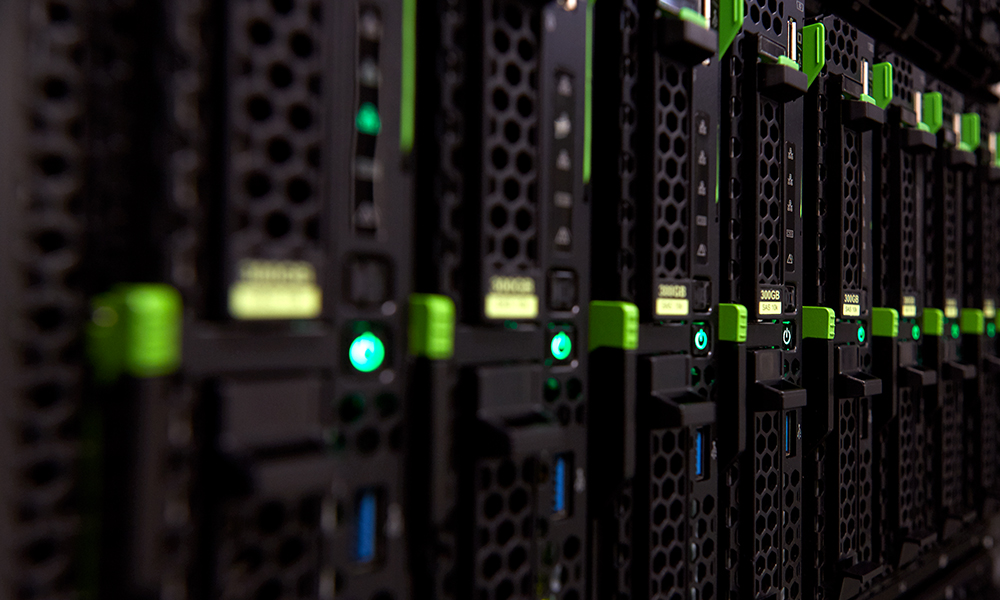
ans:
(861, 334)
(955, 331)
(700, 340)
(366, 352)
(561, 346)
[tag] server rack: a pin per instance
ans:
(503, 234)
(903, 150)
(761, 483)
(941, 347)
(654, 328)
(845, 103)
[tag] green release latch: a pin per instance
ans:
(813, 50)
(882, 84)
(933, 115)
(614, 325)
(135, 329)
(932, 321)
(885, 322)
(971, 138)
(731, 15)
(733, 323)
(818, 322)
(432, 326)
(972, 321)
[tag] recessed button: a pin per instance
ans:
(562, 290)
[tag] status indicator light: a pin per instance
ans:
(916, 332)
(700, 340)
(955, 331)
(561, 346)
(861, 334)
(368, 122)
(991, 329)
(367, 352)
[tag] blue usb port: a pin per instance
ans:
(699, 454)
(702, 438)
(791, 434)
(562, 477)
(366, 542)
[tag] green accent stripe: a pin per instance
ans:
(587, 101)
(408, 88)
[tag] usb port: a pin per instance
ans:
(790, 434)
(701, 437)
(366, 542)
(562, 481)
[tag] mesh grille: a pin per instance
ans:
(49, 304)
(624, 542)
(729, 582)
(908, 231)
(842, 48)
(990, 434)
(734, 85)
(670, 194)
(768, 15)
(767, 505)
(769, 211)
(450, 120)
(275, 128)
(627, 160)
(668, 533)
(511, 139)
(848, 492)
(866, 508)
(883, 233)
(271, 549)
(188, 83)
(792, 521)
(818, 526)
(951, 208)
(951, 441)
(852, 234)
(505, 522)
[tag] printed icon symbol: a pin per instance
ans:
(562, 161)
(563, 126)
(702, 250)
(702, 158)
(786, 337)
(702, 127)
(700, 340)
(563, 236)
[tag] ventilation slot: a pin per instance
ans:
(767, 504)
(668, 513)
(769, 226)
(852, 234)
(505, 526)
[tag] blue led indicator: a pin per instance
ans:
(364, 549)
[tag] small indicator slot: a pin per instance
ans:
(791, 433)
(366, 544)
(562, 486)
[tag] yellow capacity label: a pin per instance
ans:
(511, 298)
(852, 305)
(951, 308)
(909, 306)
(274, 289)
(672, 300)
(770, 302)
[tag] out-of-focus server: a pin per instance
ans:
(764, 76)
(43, 176)
(903, 151)
(980, 287)
(653, 470)
(941, 349)
(500, 323)
(843, 106)
(259, 453)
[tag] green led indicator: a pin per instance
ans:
(991, 329)
(916, 332)
(367, 352)
(561, 346)
(700, 340)
(861, 334)
(954, 330)
(368, 121)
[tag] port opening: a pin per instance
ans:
(367, 544)
(791, 433)
(701, 440)
(562, 486)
